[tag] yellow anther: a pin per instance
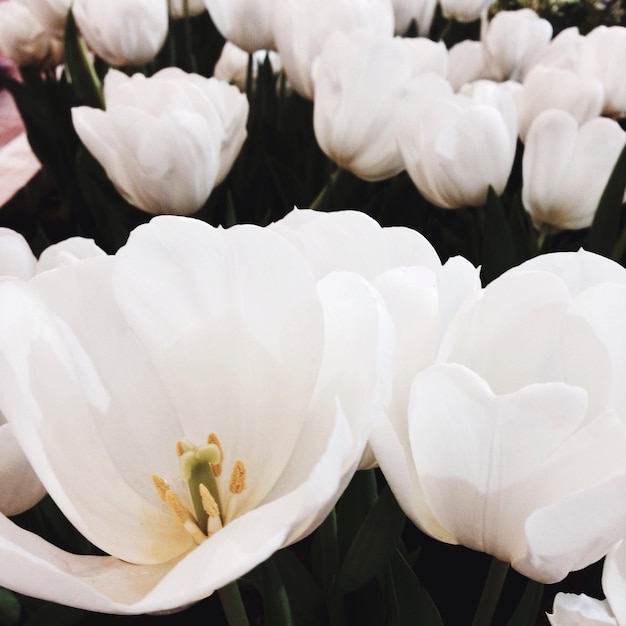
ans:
(160, 485)
(216, 467)
(214, 519)
(208, 502)
(179, 449)
(238, 477)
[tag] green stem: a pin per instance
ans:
(327, 192)
(330, 564)
(543, 233)
(233, 605)
(491, 593)
(620, 247)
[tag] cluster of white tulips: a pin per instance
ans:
(195, 395)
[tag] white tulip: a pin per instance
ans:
(21, 489)
(566, 168)
(490, 452)
(167, 140)
(421, 295)
(366, 90)
(123, 32)
(602, 57)
(302, 27)
(405, 11)
(554, 88)
(24, 40)
(111, 365)
(513, 41)
(51, 14)
(232, 66)
(467, 63)
(247, 23)
(454, 150)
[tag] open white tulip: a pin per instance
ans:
(421, 295)
(302, 27)
(21, 489)
(455, 149)
(167, 140)
(366, 90)
(528, 383)
(187, 417)
(246, 23)
(566, 168)
(123, 32)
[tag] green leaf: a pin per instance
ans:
(409, 602)
(85, 81)
(373, 545)
(275, 601)
(498, 246)
(529, 605)
(606, 226)
(10, 608)
(305, 595)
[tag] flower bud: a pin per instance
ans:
(123, 32)
(181, 8)
(566, 168)
(51, 14)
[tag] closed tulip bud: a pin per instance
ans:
(566, 168)
(366, 89)
(602, 57)
(553, 88)
(181, 8)
(24, 40)
(454, 150)
(514, 40)
(165, 141)
(405, 11)
(302, 27)
(465, 10)
(123, 32)
(247, 23)
(51, 14)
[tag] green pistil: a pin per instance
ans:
(195, 468)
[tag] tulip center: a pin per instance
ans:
(201, 468)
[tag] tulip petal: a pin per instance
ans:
(580, 610)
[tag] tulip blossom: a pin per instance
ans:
(566, 168)
(554, 88)
(24, 40)
(165, 141)
(123, 32)
(51, 14)
(564, 50)
(421, 295)
(21, 489)
(465, 10)
(489, 451)
(207, 421)
(366, 90)
(467, 62)
(246, 23)
(302, 27)
(514, 40)
(455, 149)
(405, 11)
(602, 57)
(581, 610)
(185, 8)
